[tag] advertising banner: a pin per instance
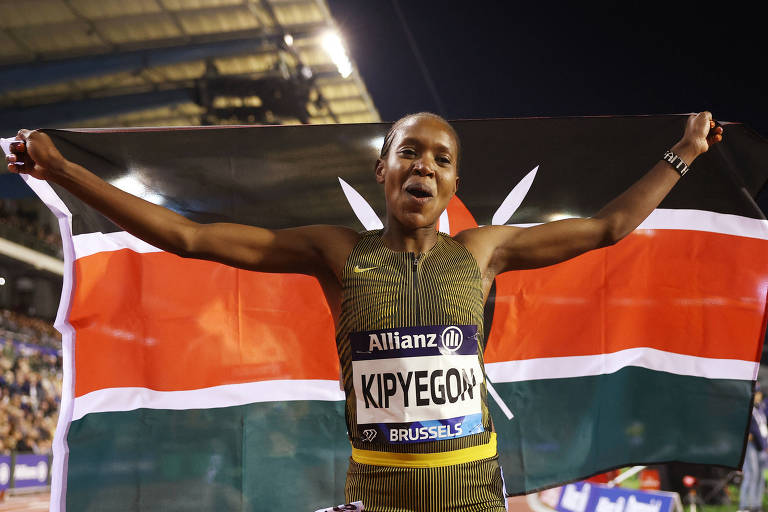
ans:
(30, 471)
(5, 472)
(588, 497)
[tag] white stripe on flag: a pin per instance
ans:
(60, 447)
(650, 358)
(131, 398)
(91, 243)
(701, 220)
(692, 220)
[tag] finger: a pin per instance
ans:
(714, 139)
(714, 129)
(23, 134)
(10, 158)
(16, 167)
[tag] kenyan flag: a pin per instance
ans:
(192, 385)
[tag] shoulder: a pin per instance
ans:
(330, 239)
(332, 243)
(483, 242)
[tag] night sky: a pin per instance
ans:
(522, 59)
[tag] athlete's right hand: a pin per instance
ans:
(33, 153)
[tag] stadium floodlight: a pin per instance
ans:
(334, 46)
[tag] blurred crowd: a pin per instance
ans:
(25, 226)
(29, 330)
(30, 383)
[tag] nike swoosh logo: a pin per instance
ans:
(358, 269)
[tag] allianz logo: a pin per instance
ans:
(450, 339)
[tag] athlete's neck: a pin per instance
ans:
(417, 240)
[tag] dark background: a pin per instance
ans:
(485, 59)
(521, 59)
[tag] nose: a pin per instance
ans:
(422, 168)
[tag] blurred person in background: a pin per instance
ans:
(30, 387)
(755, 459)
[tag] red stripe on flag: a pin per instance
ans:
(689, 292)
(159, 321)
(459, 216)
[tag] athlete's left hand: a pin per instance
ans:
(701, 132)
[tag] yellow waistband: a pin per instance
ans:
(426, 460)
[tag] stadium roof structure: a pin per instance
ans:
(120, 63)
(115, 63)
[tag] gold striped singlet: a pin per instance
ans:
(409, 339)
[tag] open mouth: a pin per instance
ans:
(419, 191)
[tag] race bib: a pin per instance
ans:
(416, 384)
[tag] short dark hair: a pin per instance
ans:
(397, 124)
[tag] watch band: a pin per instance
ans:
(676, 162)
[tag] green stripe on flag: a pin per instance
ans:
(292, 455)
(565, 429)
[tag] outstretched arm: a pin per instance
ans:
(308, 250)
(503, 248)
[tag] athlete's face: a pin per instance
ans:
(419, 172)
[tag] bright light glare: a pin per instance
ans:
(2, 281)
(132, 185)
(376, 143)
(288, 38)
(561, 216)
(333, 45)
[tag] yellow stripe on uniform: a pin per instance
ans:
(426, 460)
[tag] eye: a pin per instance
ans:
(444, 160)
(408, 152)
